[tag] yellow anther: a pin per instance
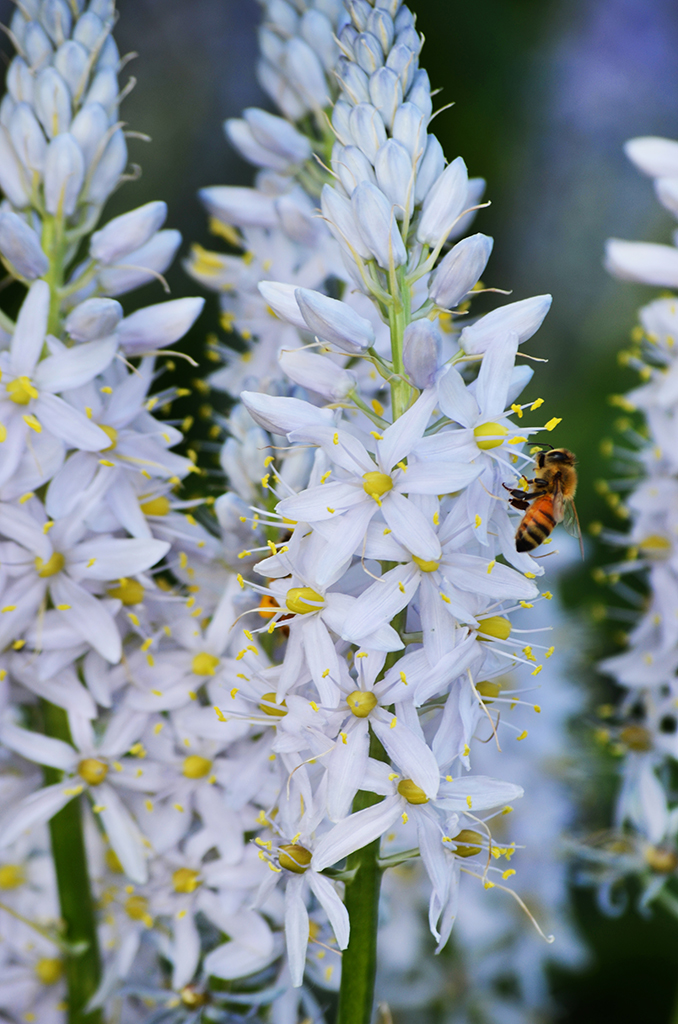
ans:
(137, 908)
(537, 670)
(522, 735)
(111, 433)
(477, 521)
(552, 423)
(403, 678)
(26, 497)
(52, 566)
(413, 793)
(49, 970)
(128, 591)
(518, 410)
(12, 876)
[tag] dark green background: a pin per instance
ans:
(545, 94)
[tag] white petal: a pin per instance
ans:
(88, 616)
(642, 261)
(437, 477)
(65, 422)
(346, 767)
(74, 367)
(34, 810)
(356, 831)
(296, 929)
(37, 747)
(400, 438)
(30, 330)
(485, 793)
(332, 905)
(123, 833)
(411, 527)
(494, 377)
(185, 950)
(654, 156)
(115, 558)
(409, 752)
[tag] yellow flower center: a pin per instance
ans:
(21, 390)
(93, 771)
(49, 969)
(413, 793)
(375, 484)
(113, 862)
(190, 996)
(279, 711)
(137, 908)
(294, 857)
(488, 689)
(52, 566)
(298, 599)
(12, 876)
(204, 664)
(661, 860)
(361, 702)
(489, 435)
(196, 767)
(185, 880)
(495, 626)
(425, 566)
(129, 592)
(655, 546)
(636, 737)
(110, 432)
(159, 506)
(466, 837)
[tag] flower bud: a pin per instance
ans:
(71, 61)
(420, 93)
(654, 156)
(12, 178)
(524, 318)
(395, 176)
(20, 81)
(430, 167)
(476, 188)
(306, 73)
(421, 352)
(277, 135)
(360, 11)
(64, 175)
(316, 28)
(157, 326)
(354, 81)
(88, 128)
(128, 232)
(642, 261)
(404, 62)
(335, 322)
(20, 246)
(352, 166)
(28, 138)
(108, 169)
(378, 226)
(141, 266)
(367, 129)
(341, 122)
(368, 52)
(104, 90)
(459, 271)
(281, 415)
(298, 217)
(244, 207)
(380, 24)
(37, 47)
(94, 318)
(317, 373)
(282, 300)
(240, 135)
(386, 93)
(347, 39)
(409, 128)
(341, 221)
(57, 20)
(445, 200)
(52, 103)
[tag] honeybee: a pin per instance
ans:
(550, 501)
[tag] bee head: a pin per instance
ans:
(558, 456)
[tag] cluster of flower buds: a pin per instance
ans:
(643, 728)
(250, 700)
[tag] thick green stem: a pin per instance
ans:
(54, 245)
(399, 319)
(361, 898)
(75, 897)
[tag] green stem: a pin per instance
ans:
(54, 246)
(75, 896)
(361, 898)
(399, 317)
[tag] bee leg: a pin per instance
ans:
(519, 504)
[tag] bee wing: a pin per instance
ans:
(558, 502)
(571, 523)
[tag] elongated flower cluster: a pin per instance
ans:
(644, 727)
(246, 702)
